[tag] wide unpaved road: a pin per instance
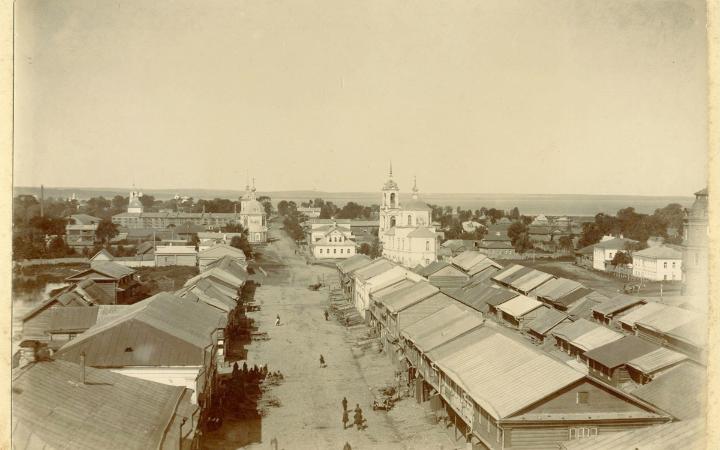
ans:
(310, 411)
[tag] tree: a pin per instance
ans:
(267, 204)
(106, 230)
(282, 208)
(147, 201)
(58, 248)
(364, 249)
(566, 243)
(515, 230)
(522, 243)
(621, 259)
(514, 214)
(242, 243)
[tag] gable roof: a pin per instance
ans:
(621, 351)
(153, 329)
(520, 305)
(617, 304)
(504, 376)
(570, 331)
(107, 269)
(595, 338)
(615, 243)
(557, 288)
(102, 255)
(667, 319)
(693, 332)
(530, 280)
(588, 250)
(658, 359)
(432, 268)
(219, 250)
(399, 300)
(481, 294)
(680, 391)
(645, 310)
(546, 320)
(511, 273)
(669, 436)
(435, 321)
(53, 409)
(471, 258)
(659, 252)
(353, 263)
(439, 335)
(378, 266)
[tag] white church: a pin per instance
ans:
(406, 230)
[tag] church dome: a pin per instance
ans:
(252, 207)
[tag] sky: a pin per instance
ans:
(497, 96)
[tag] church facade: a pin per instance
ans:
(251, 216)
(406, 230)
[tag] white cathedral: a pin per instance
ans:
(406, 230)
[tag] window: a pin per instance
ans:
(583, 432)
(427, 246)
(321, 251)
(665, 265)
(673, 266)
(341, 250)
(582, 397)
(334, 250)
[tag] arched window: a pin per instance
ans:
(409, 222)
(392, 200)
(392, 222)
(427, 245)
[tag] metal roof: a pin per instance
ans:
(468, 259)
(378, 266)
(640, 313)
(520, 305)
(596, 338)
(380, 294)
(438, 336)
(423, 309)
(656, 360)
(461, 343)
(557, 288)
(680, 391)
(570, 331)
(530, 281)
(219, 250)
(482, 294)
(617, 304)
(546, 320)
(422, 232)
(108, 268)
(52, 408)
(400, 300)
(615, 244)
(668, 318)
(620, 351)
(659, 252)
(504, 376)
(231, 265)
(483, 265)
(175, 250)
(353, 263)
(163, 330)
(693, 332)
(433, 267)
(72, 318)
(220, 274)
(572, 297)
(670, 436)
(504, 276)
(436, 321)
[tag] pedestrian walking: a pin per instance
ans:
(345, 419)
(322, 361)
(358, 417)
(277, 320)
(326, 314)
(344, 404)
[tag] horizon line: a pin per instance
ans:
(259, 191)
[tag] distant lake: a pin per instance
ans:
(531, 204)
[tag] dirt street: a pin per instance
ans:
(309, 415)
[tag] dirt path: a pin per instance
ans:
(310, 412)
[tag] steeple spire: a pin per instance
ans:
(390, 173)
(415, 188)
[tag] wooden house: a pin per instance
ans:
(444, 275)
(546, 320)
(117, 281)
(217, 251)
(517, 312)
(504, 394)
(605, 312)
(609, 362)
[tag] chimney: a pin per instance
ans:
(82, 367)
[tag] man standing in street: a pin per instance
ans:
(344, 404)
(345, 419)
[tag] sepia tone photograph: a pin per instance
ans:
(350, 225)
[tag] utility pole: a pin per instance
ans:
(42, 201)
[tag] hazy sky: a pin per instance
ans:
(534, 96)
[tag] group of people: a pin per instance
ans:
(358, 419)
